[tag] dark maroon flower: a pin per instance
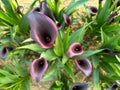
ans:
(79, 86)
(93, 10)
(118, 2)
(4, 52)
(84, 65)
(38, 68)
(59, 25)
(55, 1)
(45, 10)
(100, 1)
(113, 87)
(43, 30)
(108, 50)
(75, 49)
(111, 17)
(67, 19)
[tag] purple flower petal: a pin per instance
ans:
(43, 30)
(66, 19)
(75, 49)
(4, 52)
(45, 10)
(113, 87)
(93, 10)
(55, 1)
(79, 86)
(100, 1)
(84, 65)
(111, 17)
(118, 2)
(108, 50)
(38, 68)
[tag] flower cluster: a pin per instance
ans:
(44, 32)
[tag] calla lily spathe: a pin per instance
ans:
(45, 10)
(79, 86)
(75, 49)
(84, 65)
(118, 2)
(67, 19)
(38, 68)
(93, 10)
(113, 87)
(112, 17)
(43, 30)
(4, 52)
(109, 51)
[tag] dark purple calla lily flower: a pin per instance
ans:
(67, 19)
(93, 10)
(100, 1)
(75, 49)
(38, 68)
(55, 1)
(45, 10)
(113, 87)
(108, 50)
(84, 65)
(79, 86)
(43, 30)
(118, 2)
(4, 52)
(111, 17)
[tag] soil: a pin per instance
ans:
(46, 85)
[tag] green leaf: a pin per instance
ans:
(5, 18)
(117, 57)
(106, 67)
(8, 75)
(13, 32)
(24, 24)
(58, 47)
(116, 68)
(66, 39)
(111, 28)
(51, 73)
(49, 55)
(109, 58)
(33, 47)
(58, 83)
(112, 43)
(20, 70)
(64, 59)
(73, 5)
(103, 13)
(90, 53)
(96, 77)
(25, 84)
(75, 37)
(104, 37)
(95, 61)
(5, 80)
(78, 36)
(53, 86)
(10, 10)
(27, 40)
(69, 70)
